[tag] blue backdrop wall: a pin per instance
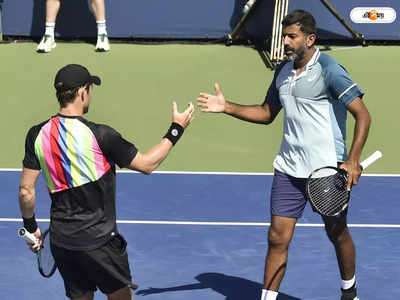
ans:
(186, 18)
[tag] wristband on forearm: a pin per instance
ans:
(174, 133)
(30, 224)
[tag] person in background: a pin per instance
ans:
(47, 43)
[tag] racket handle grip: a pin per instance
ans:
(29, 237)
(370, 159)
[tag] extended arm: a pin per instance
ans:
(149, 161)
(217, 103)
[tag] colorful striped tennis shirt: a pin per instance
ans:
(77, 158)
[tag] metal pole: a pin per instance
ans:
(355, 34)
(1, 27)
(279, 33)
(274, 30)
(266, 58)
(285, 11)
(239, 27)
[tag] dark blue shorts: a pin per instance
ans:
(288, 195)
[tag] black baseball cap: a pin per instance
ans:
(73, 76)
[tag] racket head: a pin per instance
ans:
(327, 192)
(46, 264)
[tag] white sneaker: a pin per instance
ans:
(102, 43)
(47, 43)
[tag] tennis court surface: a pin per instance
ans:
(203, 236)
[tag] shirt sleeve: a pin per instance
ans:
(340, 85)
(115, 147)
(30, 160)
(272, 96)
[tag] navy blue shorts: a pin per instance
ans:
(288, 195)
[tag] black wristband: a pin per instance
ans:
(30, 224)
(174, 133)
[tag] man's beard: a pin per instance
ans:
(85, 109)
(295, 55)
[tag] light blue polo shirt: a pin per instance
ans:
(314, 104)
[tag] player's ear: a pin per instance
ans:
(80, 94)
(311, 40)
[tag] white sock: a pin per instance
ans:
(50, 29)
(268, 295)
(101, 27)
(346, 284)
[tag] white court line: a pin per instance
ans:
(167, 172)
(345, 48)
(217, 223)
(206, 173)
(340, 48)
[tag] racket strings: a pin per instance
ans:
(45, 257)
(328, 194)
(332, 206)
(327, 198)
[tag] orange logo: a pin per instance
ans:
(373, 15)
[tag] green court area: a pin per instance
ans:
(141, 81)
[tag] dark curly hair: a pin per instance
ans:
(302, 18)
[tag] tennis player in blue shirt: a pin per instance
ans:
(315, 92)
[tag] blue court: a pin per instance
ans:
(203, 236)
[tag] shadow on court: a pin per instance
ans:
(233, 288)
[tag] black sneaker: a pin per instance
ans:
(350, 294)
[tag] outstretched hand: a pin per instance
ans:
(212, 103)
(183, 118)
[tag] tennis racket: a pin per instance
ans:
(326, 188)
(45, 260)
